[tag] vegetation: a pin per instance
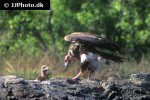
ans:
(29, 39)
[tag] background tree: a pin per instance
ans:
(32, 32)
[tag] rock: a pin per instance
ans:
(140, 79)
(15, 88)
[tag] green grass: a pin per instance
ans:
(29, 67)
(125, 72)
(132, 67)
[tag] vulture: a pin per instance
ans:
(43, 75)
(90, 49)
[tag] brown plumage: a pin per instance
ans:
(92, 40)
(43, 75)
(90, 49)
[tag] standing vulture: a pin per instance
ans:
(89, 49)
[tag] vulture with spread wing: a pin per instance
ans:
(90, 49)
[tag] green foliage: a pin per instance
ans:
(24, 32)
(32, 32)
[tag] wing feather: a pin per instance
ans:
(92, 39)
(112, 57)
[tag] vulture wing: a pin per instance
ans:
(112, 57)
(92, 39)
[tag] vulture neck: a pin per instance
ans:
(43, 73)
(76, 50)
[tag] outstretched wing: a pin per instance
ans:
(92, 39)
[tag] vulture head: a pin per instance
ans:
(44, 69)
(67, 60)
(72, 54)
(88, 48)
(42, 75)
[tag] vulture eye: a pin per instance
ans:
(65, 60)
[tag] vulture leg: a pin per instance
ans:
(89, 74)
(83, 67)
(90, 70)
(78, 75)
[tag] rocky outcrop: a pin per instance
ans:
(14, 88)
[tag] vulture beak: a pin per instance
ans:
(44, 68)
(66, 62)
(66, 66)
(47, 68)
